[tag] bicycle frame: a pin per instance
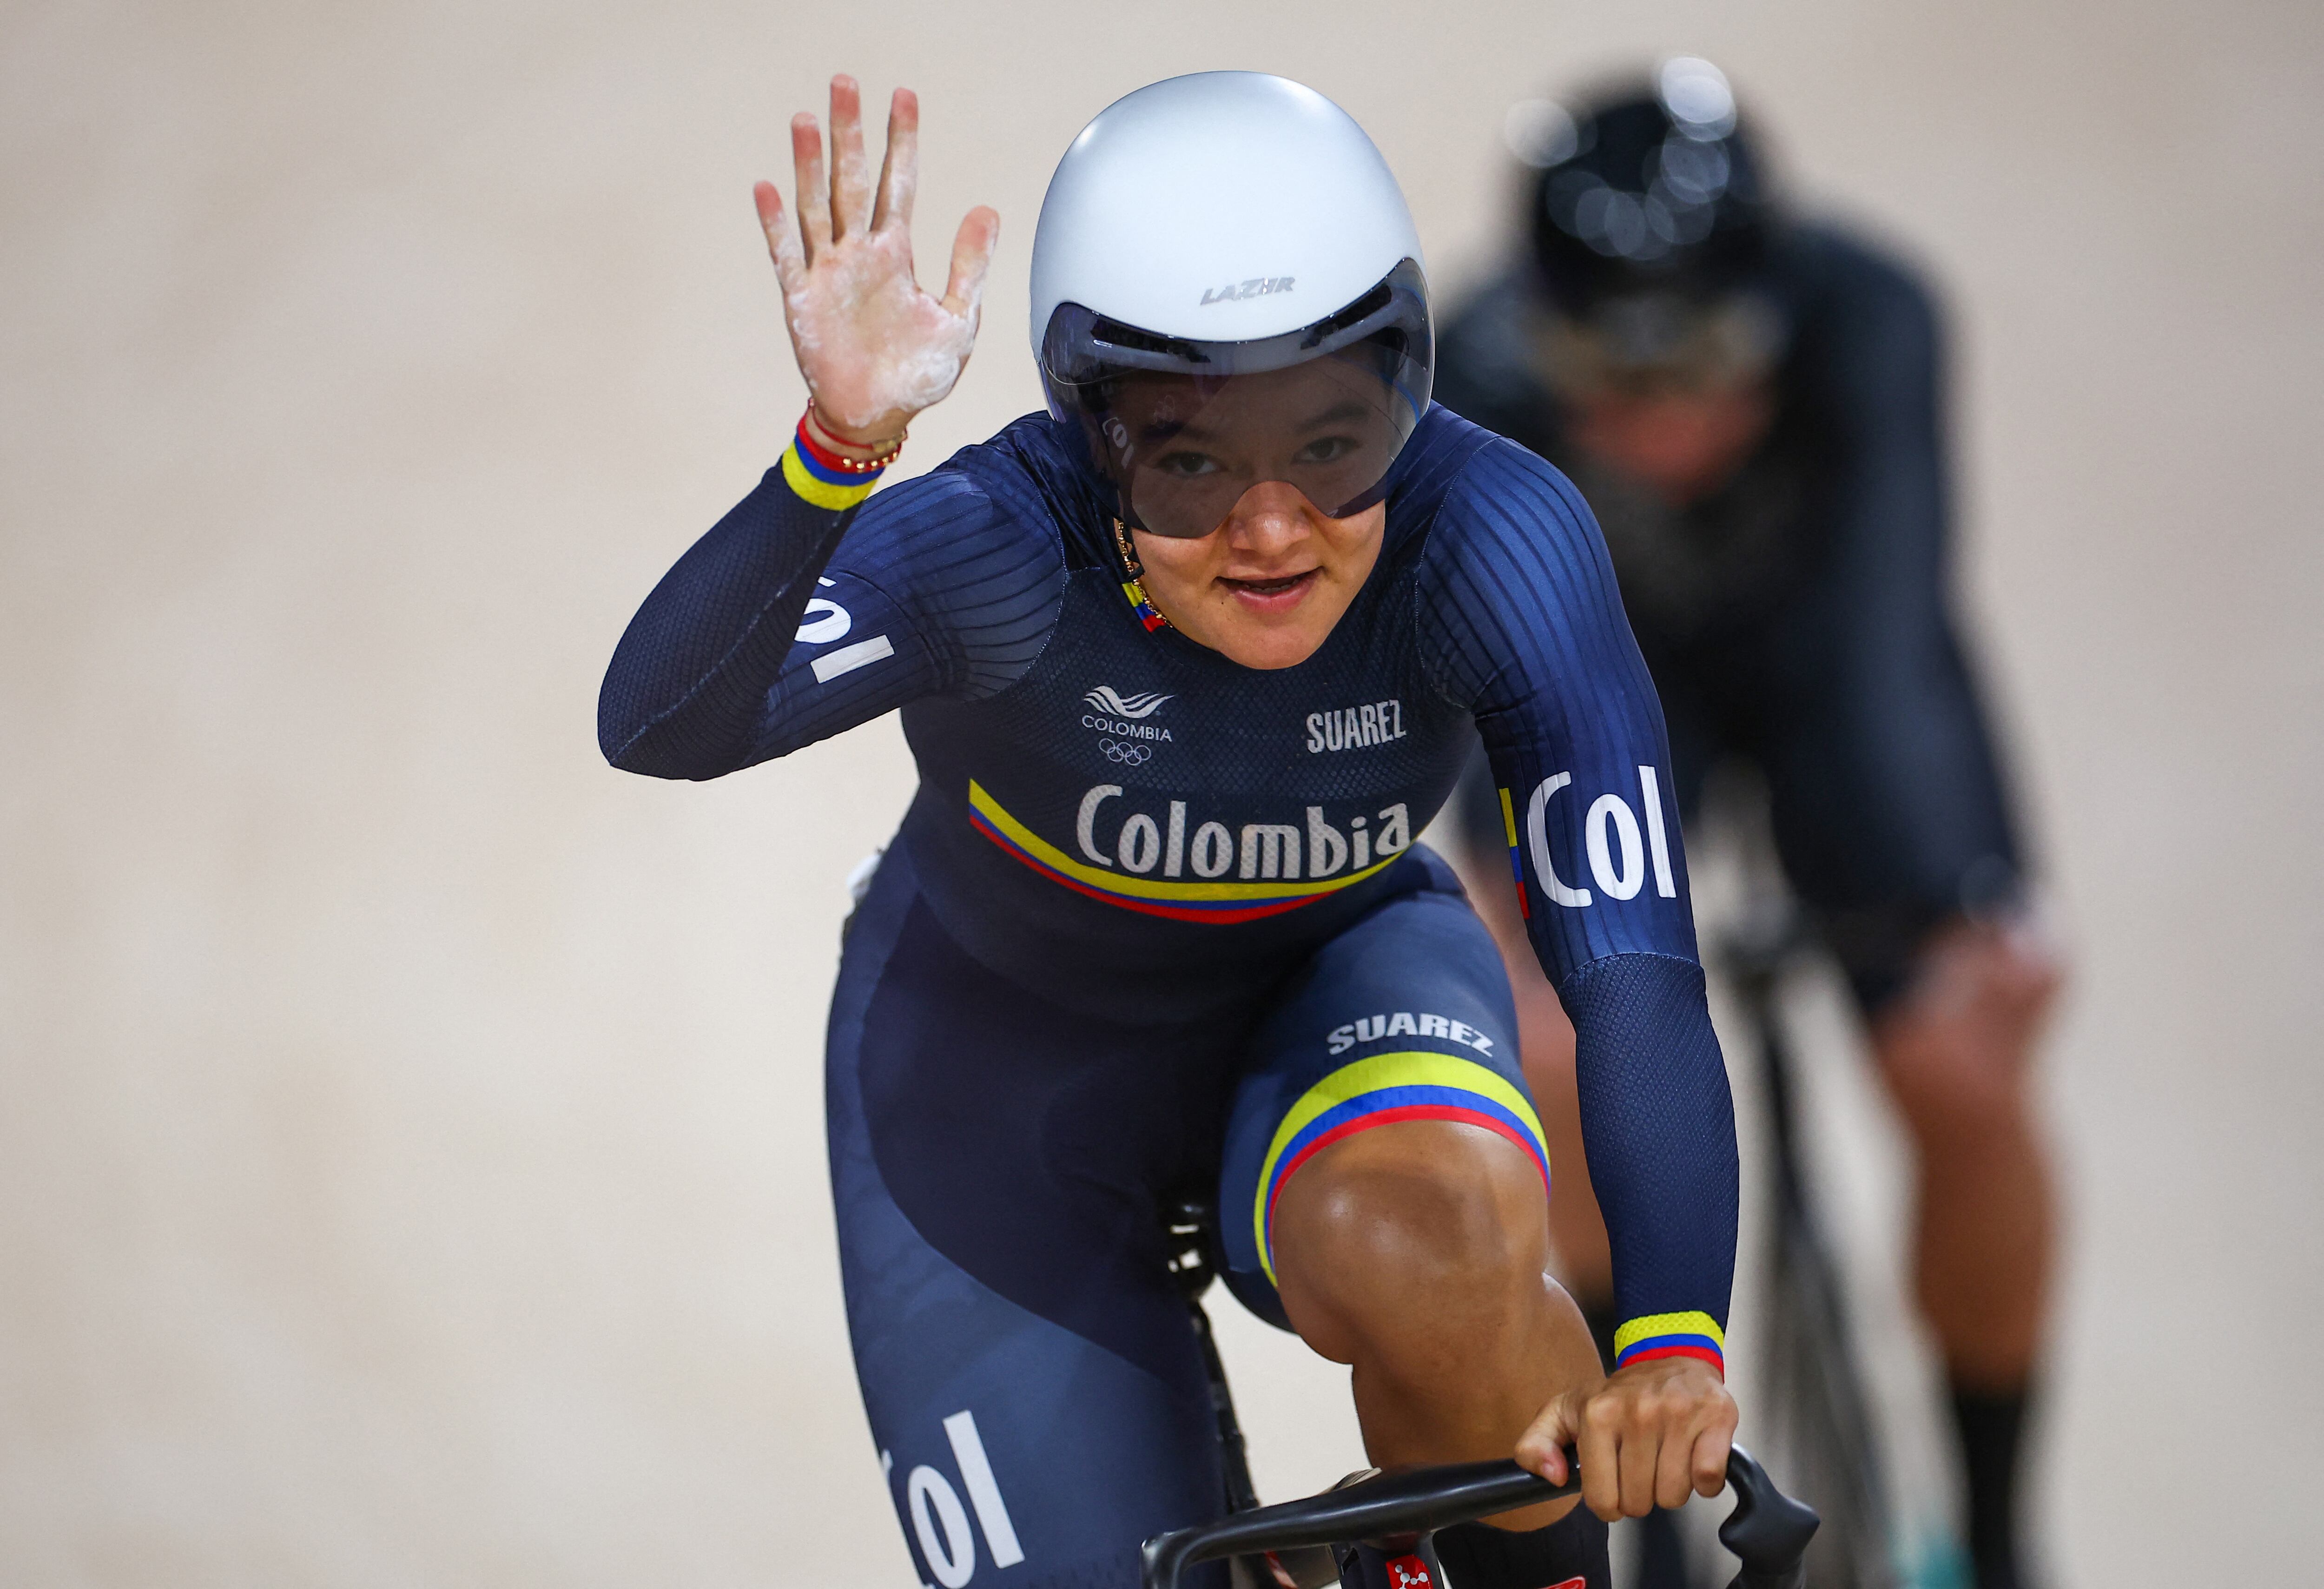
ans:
(1821, 1405)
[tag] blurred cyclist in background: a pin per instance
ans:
(1752, 403)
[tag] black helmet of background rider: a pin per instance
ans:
(1650, 230)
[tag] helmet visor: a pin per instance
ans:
(1183, 429)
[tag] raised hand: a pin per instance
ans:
(875, 349)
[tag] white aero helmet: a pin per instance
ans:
(1227, 289)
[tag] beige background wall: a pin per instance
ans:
(410, 1155)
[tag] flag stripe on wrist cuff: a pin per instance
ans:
(826, 488)
(1671, 1335)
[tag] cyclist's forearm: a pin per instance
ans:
(685, 693)
(1660, 1126)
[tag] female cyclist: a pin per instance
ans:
(1186, 662)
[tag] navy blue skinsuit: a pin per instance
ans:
(1796, 618)
(1155, 923)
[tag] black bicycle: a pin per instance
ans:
(1302, 1544)
(1768, 1531)
(1816, 1403)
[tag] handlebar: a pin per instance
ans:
(1769, 1531)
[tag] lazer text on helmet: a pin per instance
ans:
(1256, 287)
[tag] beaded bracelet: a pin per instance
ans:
(810, 422)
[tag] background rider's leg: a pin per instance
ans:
(1956, 1049)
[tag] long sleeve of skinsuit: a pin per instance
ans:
(1529, 634)
(806, 610)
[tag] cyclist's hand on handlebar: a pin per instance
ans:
(1644, 1437)
(875, 349)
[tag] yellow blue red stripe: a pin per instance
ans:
(1671, 1335)
(1143, 606)
(1213, 902)
(1415, 1084)
(1516, 857)
(820, 484)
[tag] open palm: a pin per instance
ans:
(875, 348)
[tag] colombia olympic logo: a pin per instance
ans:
(1105, 699)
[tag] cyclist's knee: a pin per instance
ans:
(1957, 1047)
(1417, 1209)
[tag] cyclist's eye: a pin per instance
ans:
(1186, 466)
(1326, 449)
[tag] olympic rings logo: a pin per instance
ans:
(1128, 755)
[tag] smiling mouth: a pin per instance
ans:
(1284, 584)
